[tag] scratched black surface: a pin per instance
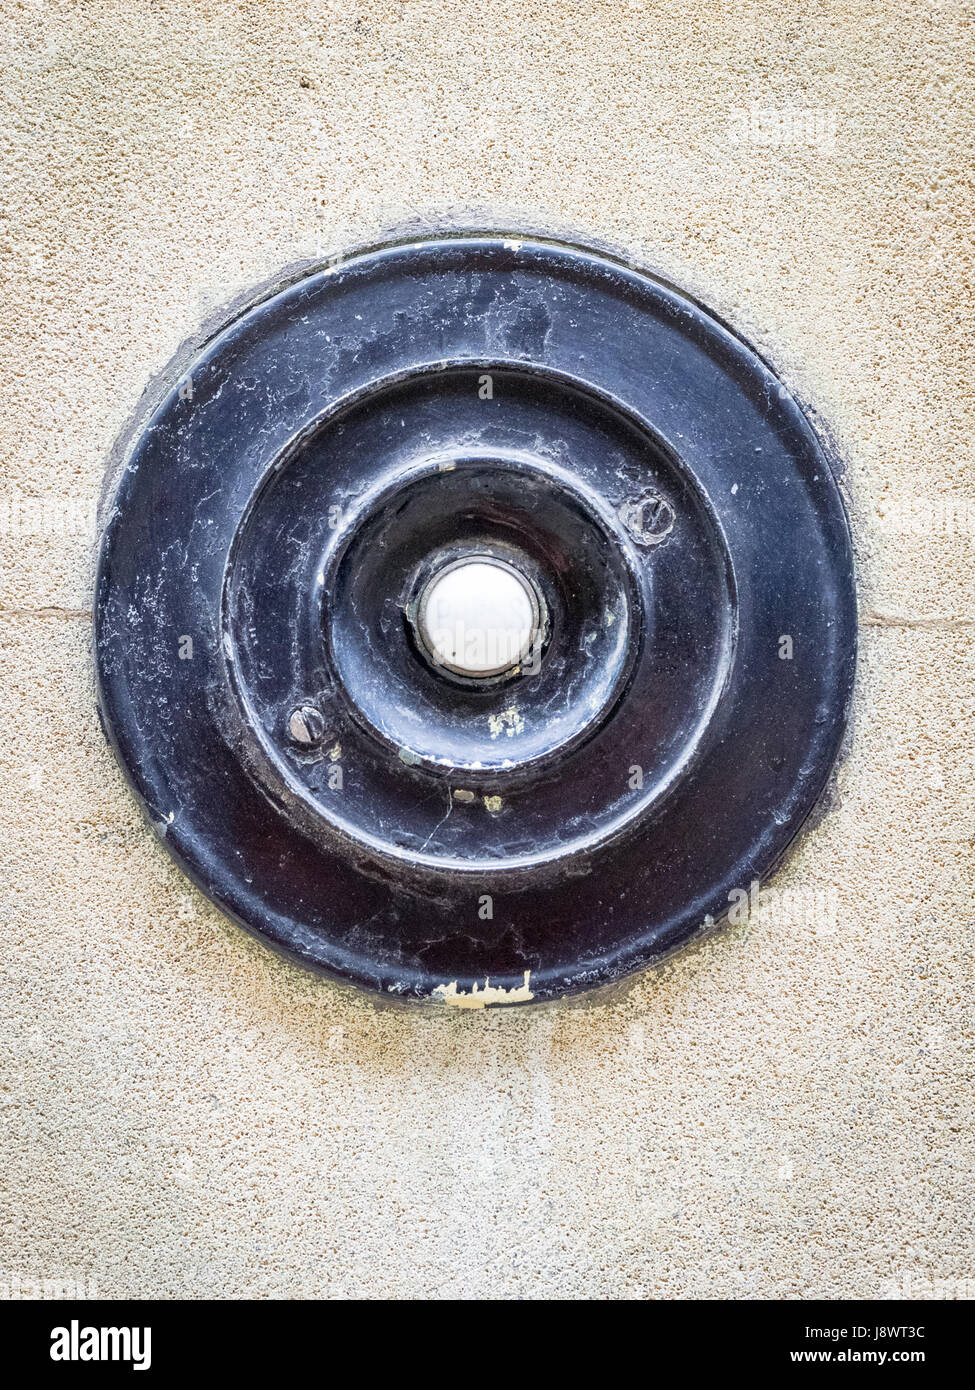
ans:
(278, 513)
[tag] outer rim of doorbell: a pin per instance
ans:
(446, 221)
(450, 227)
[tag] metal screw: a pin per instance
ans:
(649, 520)
(306, 725)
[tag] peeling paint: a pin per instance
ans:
(481, 998)
(508, 722)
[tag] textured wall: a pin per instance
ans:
(785, 1111)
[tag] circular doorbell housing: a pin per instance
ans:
(474, 616)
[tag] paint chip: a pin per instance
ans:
(508, 722)
(482, 998)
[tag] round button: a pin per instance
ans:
(478, 617)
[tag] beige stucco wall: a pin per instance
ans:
(785, 1111)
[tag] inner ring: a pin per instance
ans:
(619, 669)
(541, 528)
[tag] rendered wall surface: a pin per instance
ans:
(783, 1112)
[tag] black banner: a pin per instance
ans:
(167, 1339)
